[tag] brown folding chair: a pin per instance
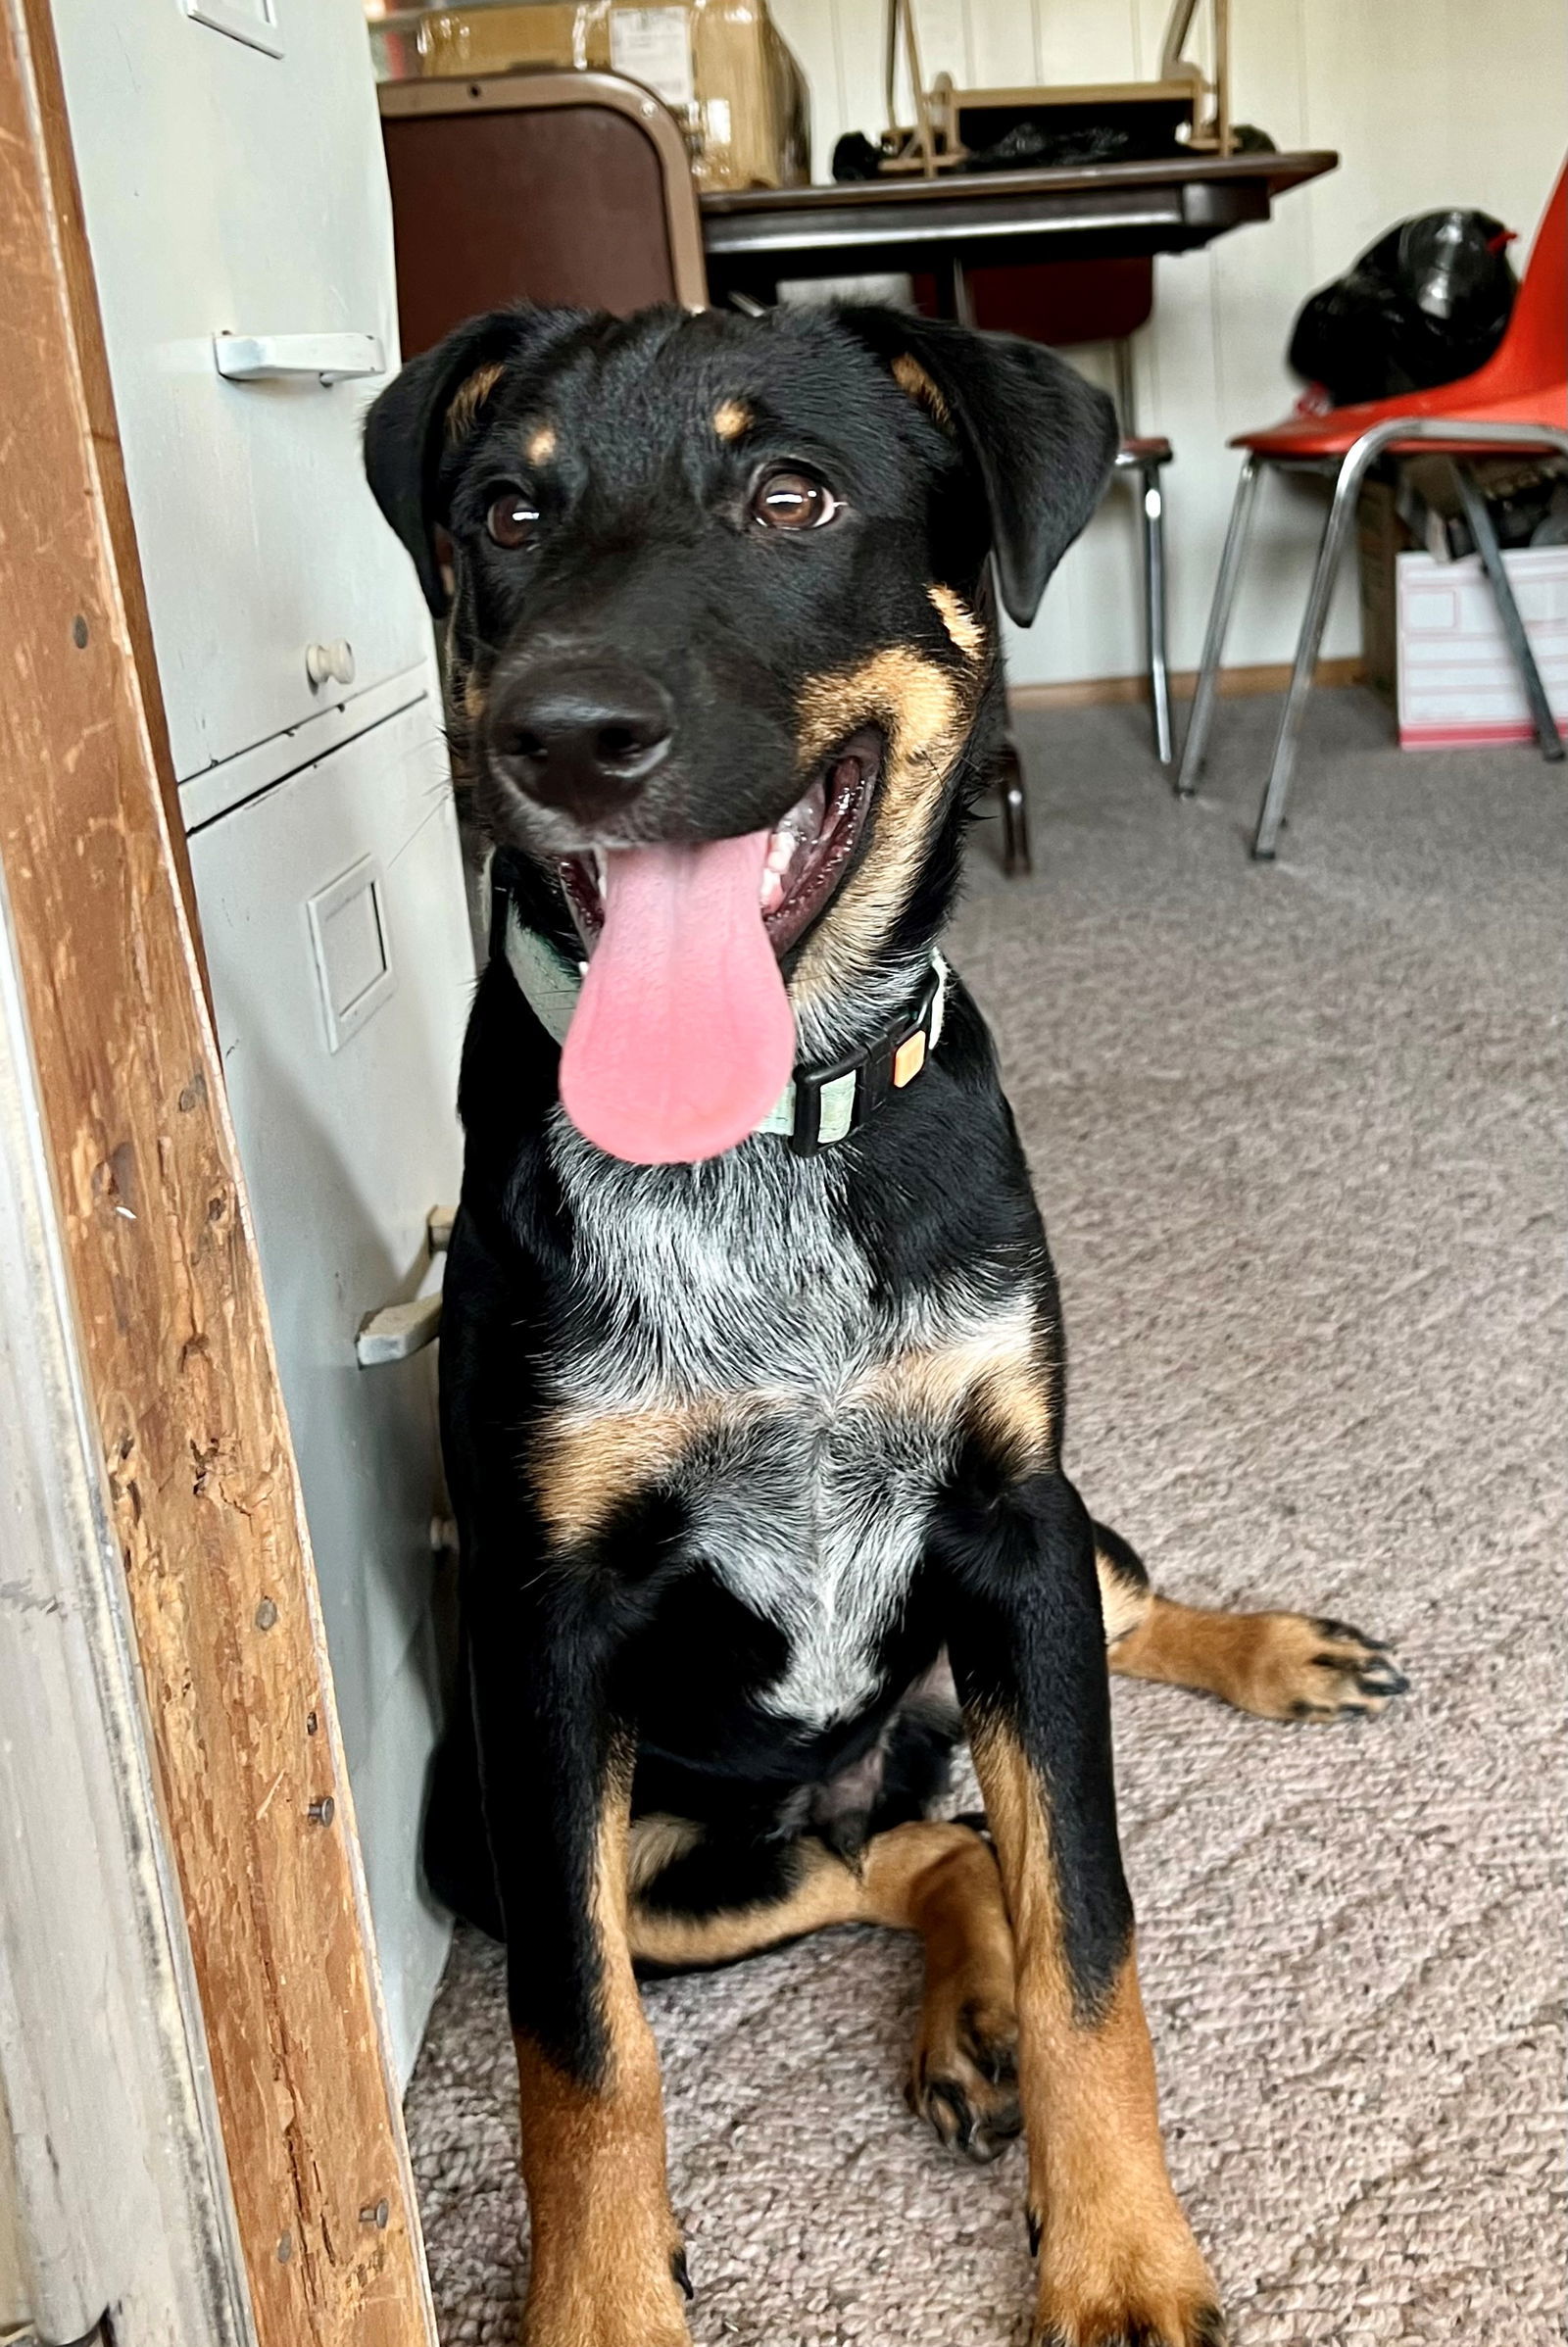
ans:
(542, 186)
(537, 186)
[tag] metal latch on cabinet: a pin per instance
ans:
(291, 358)
(395, 1332)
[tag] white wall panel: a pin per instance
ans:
(1084, 40)
(1003, 44)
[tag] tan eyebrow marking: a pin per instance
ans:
(469, 397)
(540, 445)
(730, 418)
(962, 625)
(910, 376)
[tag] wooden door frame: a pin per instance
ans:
(185, 1440)
(114, 2190)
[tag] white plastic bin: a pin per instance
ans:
(1457, 683)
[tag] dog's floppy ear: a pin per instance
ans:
(1040, 437)
(436, 397)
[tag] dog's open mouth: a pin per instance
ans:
(809, 849)
(683, 1037)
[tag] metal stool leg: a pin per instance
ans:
(1513, 627)
(1121, 352)
(1017, 859)
(1155, 611)
(1195, 746)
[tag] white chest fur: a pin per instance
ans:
(729, 1299)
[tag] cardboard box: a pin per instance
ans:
(1457, 683)
(720, 66)
(456, 42)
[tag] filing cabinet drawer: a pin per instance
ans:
(237, 207)
(336, 931)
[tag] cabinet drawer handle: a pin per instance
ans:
(279, 358)
(397, 1332)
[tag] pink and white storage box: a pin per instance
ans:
(1456, 682)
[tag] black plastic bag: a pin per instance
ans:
(1427, 304)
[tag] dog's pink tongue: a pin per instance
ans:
(683, 1038)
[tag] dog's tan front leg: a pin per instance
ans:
(1118, 2263)
(1117, 2258)
(607, 2266)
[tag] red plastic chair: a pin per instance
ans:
(1518, 400)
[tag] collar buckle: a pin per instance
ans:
(835, 1099)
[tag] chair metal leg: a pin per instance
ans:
(1155, 611)
(1126, 387)
(1395, 430)
(1017, 859)
(1335, 531)
(1478, 516)
(1195, 746)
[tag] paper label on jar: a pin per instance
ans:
(654, 46)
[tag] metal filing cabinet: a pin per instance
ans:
(233, 179)
(238, 210)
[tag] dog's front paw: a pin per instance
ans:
(1117, 2329)
(1127, 2318)
(1099, 2287)
(597, 2305)
(580, 2326)
(965, 2078)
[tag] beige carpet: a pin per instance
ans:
(1296, 1136)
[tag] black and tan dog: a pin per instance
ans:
(752, 1357)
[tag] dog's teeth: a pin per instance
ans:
(771, 893)
(804, 821)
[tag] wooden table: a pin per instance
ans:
(971, 219)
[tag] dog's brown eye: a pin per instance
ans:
(513, 519)
(791, 501)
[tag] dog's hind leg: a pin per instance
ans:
(936, 1879)
(964, 2077)
(1279, 1666)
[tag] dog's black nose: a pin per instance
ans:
(580, 735)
